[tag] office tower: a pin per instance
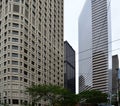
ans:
(95, 59)
(31, 47)
(115, 80)
(69, 67)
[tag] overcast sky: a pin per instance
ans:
(72, 10)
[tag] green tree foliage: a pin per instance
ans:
(69, 99)
(3, 104)
(92, 96)
(56, 95)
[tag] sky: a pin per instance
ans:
(72, 10)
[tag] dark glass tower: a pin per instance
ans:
(69, 67)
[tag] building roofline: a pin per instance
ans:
(69, 45)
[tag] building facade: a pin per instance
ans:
(69, 67)
(95, 59)
(115, 72)
(31, 47)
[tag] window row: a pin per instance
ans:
(16, 78)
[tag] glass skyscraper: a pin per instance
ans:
(95, 59)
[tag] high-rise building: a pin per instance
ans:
(95, 59)
(31, 47)
(69, 67)
(115, 80)
(115, 71)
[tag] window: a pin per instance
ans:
(25, 65)
(16, 16)
(33, 43)
(25, 73)
(8, 69)
(26, 44)
(16, 8)
(9, 101)
(4, 78)
(20, 55)
(15, 32)
(26, 13)
(14, 70)
(26, 22)
(6, 9)
(38, 79)
(4, 70)
(33, 56)
(25, 58)
(14, 78)
(33, 69)
(33, 49)
(26, 30)
(38, 73)
(8, 54)
(4, 63)
(16, 0)
(25, 80)
(26, 37)
(14, 54)
(5, 48)
(14, 39)
(32, 62)
(8, 77)
(14, 62)
(14, 47)
(22, 1)
(15, 101)
(25, 51)
(21, 63)
(27, 6)
(15, 25)
(5, 55)
(21, 12)
(6, 1)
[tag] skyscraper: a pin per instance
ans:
(115, 70)
(69, 67)
(31, 47)
(95, 59)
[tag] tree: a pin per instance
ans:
(3, 104)
(69, 99)
(56, 95)
(93, 96)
